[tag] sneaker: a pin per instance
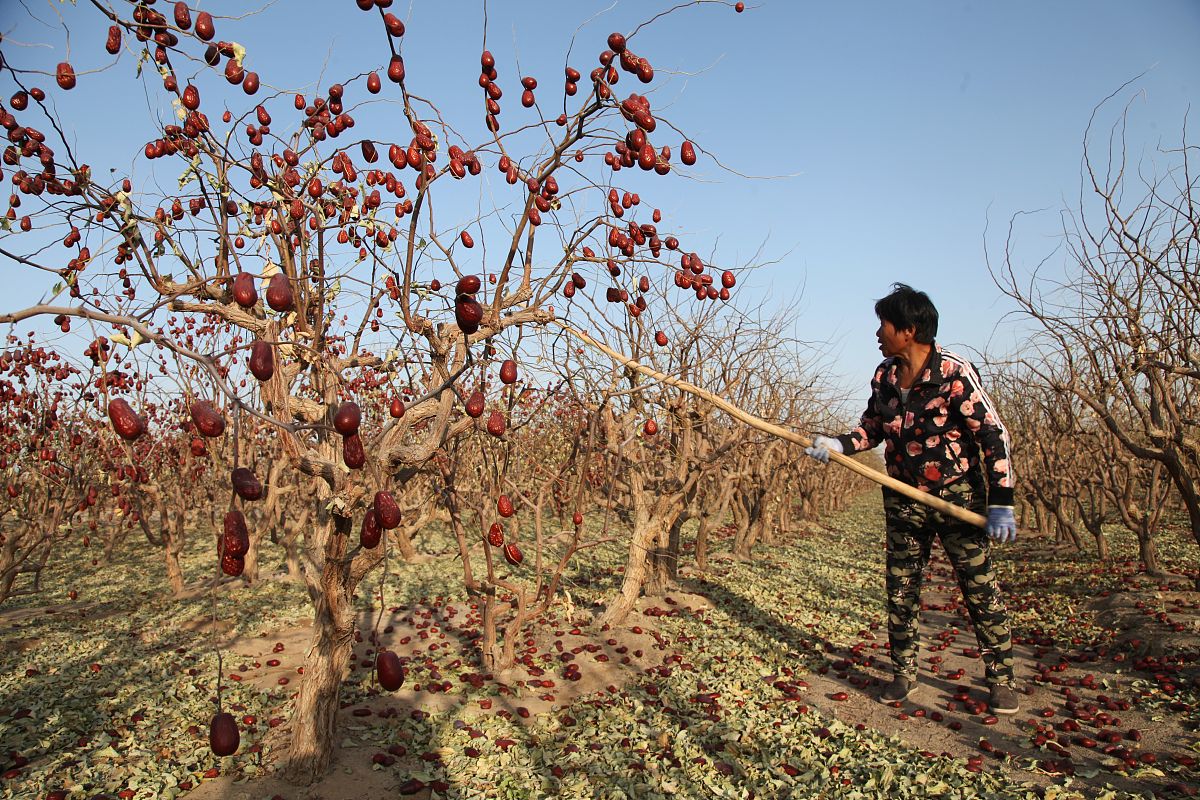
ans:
(1004, 700)
(899, 690)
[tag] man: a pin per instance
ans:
(943, 436)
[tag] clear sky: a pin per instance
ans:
(906, 128)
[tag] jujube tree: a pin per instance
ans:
(311, 240)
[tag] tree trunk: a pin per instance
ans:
(314, 718)
(174, 571)
(702, 542)
(250, 570)
(1066, 528)
(489, 649)
(1039, 517)
(751, 528)
(1102, 551)
(644, 538)
(663, 562)
(1148, 553)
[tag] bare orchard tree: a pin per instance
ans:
(1118, 330)
(304, 228)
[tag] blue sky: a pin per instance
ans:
(906, 128)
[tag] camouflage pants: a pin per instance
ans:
(911, 527)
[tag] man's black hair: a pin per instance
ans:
(907, 308)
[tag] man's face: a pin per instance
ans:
(892, 341)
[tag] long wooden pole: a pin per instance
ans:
(949, 509)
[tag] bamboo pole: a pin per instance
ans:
(937, 503)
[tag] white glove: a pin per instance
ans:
(821, 447)
(1002, 524)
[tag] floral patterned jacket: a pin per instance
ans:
(939, 434)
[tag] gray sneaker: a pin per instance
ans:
(899, 690)
(1004, 700)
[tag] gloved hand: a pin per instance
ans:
(821, 447)
(1001, 524)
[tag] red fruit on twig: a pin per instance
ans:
(204, 26)
(244, 292)
(279, 293)
(353, 454)
(370, 533)
(650, 428)
(512, 554)
(347, 419)
(395, 70)
(386, 510)
(504, 506)
(262, 360)
(395, 27)
(468, 313)
(475, 404)
(125, 421)
(508, 371)
(235, 539)
(245, 484)
(468, 284)
(495, 424)
(65, 75)
(191, 97)
(397, 408)
(223, 736)
(183, 15)
(687, 153)
(207, 419)
(389, 670)
(495, 535)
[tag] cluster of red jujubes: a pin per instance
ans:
(235, 538)
(301, 199)
(495, 534)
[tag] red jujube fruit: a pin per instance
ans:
(223, 736)
(369, 534)
(245, 484)
(279, 293)
(386, 510)
(125, 420)
(347, 419)
(262, 360)
(389, 670)
(207, 419)
(235, 539)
